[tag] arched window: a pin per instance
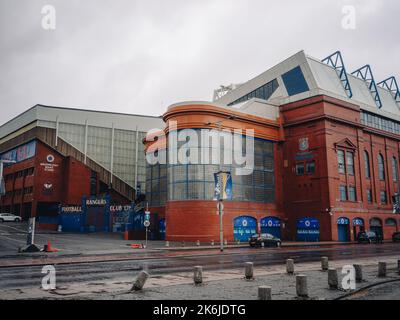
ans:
(367, 165)
(394, 169)
(381, 167)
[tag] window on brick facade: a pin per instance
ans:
(341, 162)
(310, 167)
(367, 165)
(350, 162)
(352, 194)
(299, 169)
(383, 197)
(369, 196)
(343, 193)
(381, 167)
(394, 169)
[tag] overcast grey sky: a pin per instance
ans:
(139, 56)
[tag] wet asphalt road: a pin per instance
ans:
(172, 262)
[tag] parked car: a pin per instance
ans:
(268, 240)
(367, 237)
(8, 217)
(396, 237)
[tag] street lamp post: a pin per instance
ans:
(220, 201)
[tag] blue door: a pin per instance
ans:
(70, 222)
(308, 230)
(272, 226)
(376, 226)
(161, 229)
(244, 227)
(343, 229)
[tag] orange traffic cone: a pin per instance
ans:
(49, 248)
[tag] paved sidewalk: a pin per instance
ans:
(220, 285)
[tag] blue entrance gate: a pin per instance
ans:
(343, 225)
(70, 218)
(308, 229)
(161, 229)
(272, 226)
(244, 227)
(376, 226)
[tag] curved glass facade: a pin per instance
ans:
(180, 182)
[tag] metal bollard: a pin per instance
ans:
(333, 280)
(183, 243)
(324, 263)
(290, 266)
(358, 270)
(249, 270)
(264, 293)
(140, 281)
(198, 275)
(301, 286)
(382, 269)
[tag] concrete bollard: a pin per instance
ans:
(398, 267)
(358, 270)
(301, 286)
(382, 269)
(333, 280)
(324, 263)
(264, 293)
(290, 266)
(140, 281)
(212, 242)
(198, 275)
(198, 243)
(249, 270)
(167, 243)
(226, 242)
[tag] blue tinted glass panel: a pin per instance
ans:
(295, 82)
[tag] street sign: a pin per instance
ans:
(146, 223)
(147, 215)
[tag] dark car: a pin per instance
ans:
(367, 237)
(396, 237)
(268, 240)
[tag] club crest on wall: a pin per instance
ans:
(304, 144)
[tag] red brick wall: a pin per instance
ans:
(198, 220)
(331, 125)
(77, 181)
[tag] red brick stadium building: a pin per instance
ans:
(326, 157)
